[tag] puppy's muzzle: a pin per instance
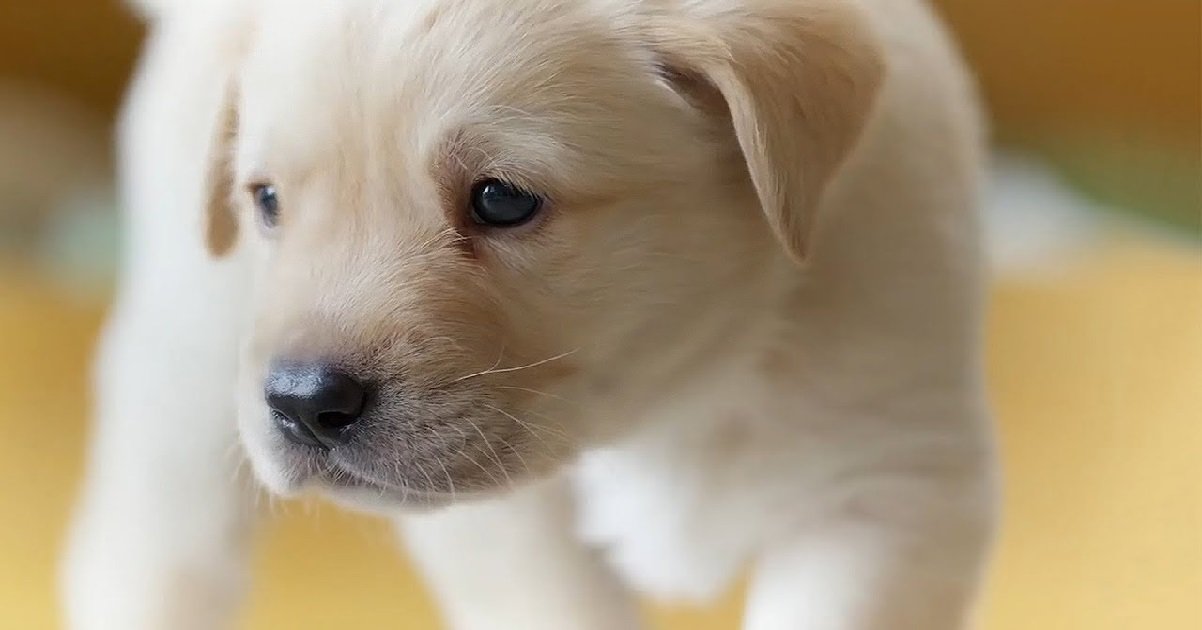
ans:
(314, 403)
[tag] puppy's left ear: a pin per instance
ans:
(798, 78)
(221, 223)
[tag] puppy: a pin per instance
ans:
(695, 283)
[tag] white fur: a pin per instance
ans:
(852, 473)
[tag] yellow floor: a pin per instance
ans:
(1098, 382)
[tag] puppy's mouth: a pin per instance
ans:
(392, 464)
(346, 486)
(311, 468)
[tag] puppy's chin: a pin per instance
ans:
(291, 470)
(383, 501)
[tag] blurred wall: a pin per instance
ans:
(1042, 62)
(82, 47)
(1133, 64)
(1109, 90)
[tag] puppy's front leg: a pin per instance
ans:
(515, 563)
(157, 541)
(901, 558)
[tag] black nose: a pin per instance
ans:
(313, 403)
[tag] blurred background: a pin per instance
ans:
(1095, 329)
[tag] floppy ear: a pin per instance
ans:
(798, 78)
(221, 223)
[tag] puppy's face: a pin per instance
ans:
(477, 223)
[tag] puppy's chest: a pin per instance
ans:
(680, 509)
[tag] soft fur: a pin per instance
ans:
(743, 334)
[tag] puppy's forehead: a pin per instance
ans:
(416, 68)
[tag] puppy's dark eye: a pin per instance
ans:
(501, 204)
(267, 202)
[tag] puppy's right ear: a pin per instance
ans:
(799, 81)
(221, 222)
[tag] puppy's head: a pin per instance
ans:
(480, 222)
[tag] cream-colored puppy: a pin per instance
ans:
(695, 283)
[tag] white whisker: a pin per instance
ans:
(429, 479)
(539, 392)
(464, 453)
(496, 457)
(447, 473)
(530, 428)
(496, 370)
